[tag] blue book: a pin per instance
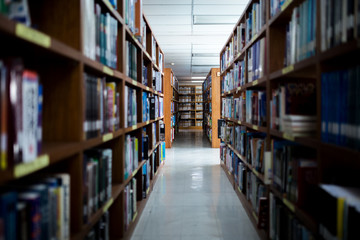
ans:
(8, 202)
(32, 201)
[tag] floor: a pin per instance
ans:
(192, 198)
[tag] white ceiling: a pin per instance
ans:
(193, 48)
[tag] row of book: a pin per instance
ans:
(97, 181)
(255, 107)
(132, 153)
(102, 114)
(131, 60)
(227, 107)
(256, 18)
(21, 95)
(256, 60)
(130, 107)
(100, 33)
(39, 209)
(234, 78)
(339, 22)
(157, 83)
(236, 45)
(301, 33)
(145, 79)
(292, 108)
(207, 82)
(133, 17)
(283, 225)
(101, 229)
(294, 171)
(130, 197)
(16, 10)
(340, 104)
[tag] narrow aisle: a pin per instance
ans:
(192, 198)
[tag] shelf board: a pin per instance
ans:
(137, 84)
(304, 68)
(151, 151)
(261, 82)
(114, 12)
(190, 94)
(303, 216)
(284, 15)
(137, 170)
(252, 126)
(351, 47)
(190, 102)
(311, 142)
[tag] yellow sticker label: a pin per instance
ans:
(285, 5)
(229, 172)
(255, 82)
(134, 173)
(239, 122)
(108, 204)
(32, 35)
(255, 216)
(288, 69)
(134, 82)
(147, 122)
(147, 88)
(239, 88)
(108, 71)
(255, 127)
(107, 137)
(107, 3)
(289, 204)
(254, 37)
(156, 92)
(255, 172)
(239, 189)
(135, 215)
(27, 168)
(134, 127)
(3, 161)
(147, 191)
(228, 92)
(289, 137)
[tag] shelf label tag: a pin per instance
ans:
(229, 173)
(218, 74)
(134, 82)
(255, 127)
(108, 204)
(147, 122)
(107, 3)
(108, 71)
(32, 35)
(147, 88)
(289, 137)
(239, 189)
(134, 127)
(135, 215)
(255, 172)
(107, 137)
(254, 37)
(147, 191)
(23, 169)
(228, 92)
(239, 88)
(135, 172)
(289, 204)
(255, 82)
(239, 122)
(156, 92)
(288, 69)
(285, 5)
(256, 218)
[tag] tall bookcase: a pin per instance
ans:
(288, 73)
(55, 51)
(190, 107)
(211, 106)
(171, 106)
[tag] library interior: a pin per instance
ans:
(179, 120)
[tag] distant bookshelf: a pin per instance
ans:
(211, 106)
(83, 129)
(190, 107)
(288, 98)
(171, 106)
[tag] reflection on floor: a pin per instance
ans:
(192, 198)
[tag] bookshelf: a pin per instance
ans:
(190, 107)
(211, 106)
(171, 108)
(73, 135)
(288, 74)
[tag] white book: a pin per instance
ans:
(64, 180)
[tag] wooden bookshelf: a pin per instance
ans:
(171, 106)
(55, 51)
(336, 164)
(188, 117)
(211, 106)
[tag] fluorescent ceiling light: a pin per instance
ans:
(198, 78)
(215, 20)
(198, 81)
(205, 54)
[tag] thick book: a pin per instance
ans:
(32, 201)
(8, 214)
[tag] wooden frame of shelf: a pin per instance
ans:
(213, 89)
(54, 51)
(171, 98)
(312, 67)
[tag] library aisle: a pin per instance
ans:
(192, 198)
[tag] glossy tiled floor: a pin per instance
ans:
(192, 198)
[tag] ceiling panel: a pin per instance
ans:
(217, 2)
(166, 20)
(205, 61)
(168, 10)
(223, 29)
(218, 10)
(207, 48)
(165, 29)
(175, 2)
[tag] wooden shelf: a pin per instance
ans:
(151, 151)
(345, 49)
(304, 68)
(284, 14)
(311, 142)
(261, 82)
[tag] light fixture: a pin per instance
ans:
(197, 77)
(172, 64)
(205, 55)
(215, 20)
(197, 81)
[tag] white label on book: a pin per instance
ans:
(86, 126)
(32, 35)
(147, 88)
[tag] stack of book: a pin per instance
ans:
(131, 155)
(255, 20)
(21, 97)
(36, 210)
(97, 181)
(292, 108)
(255, 107)
(100, 32)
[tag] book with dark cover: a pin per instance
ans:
(8, 214)
(152, 108)
(21, 221)
(32, 201)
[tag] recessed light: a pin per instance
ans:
(172, 64)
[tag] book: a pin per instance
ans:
(8, 214)
(33, 215)
(131, 109)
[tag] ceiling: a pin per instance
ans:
(191, 33)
